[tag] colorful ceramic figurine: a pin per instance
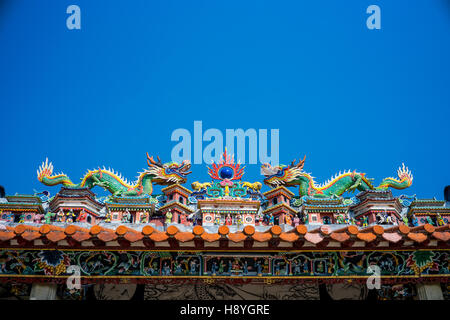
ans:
(430, 221)
(305, 218)
(126, 217)
(365, 222)
(82, 216)
(166, 269)
(144, 217)
(259, 218)
(245, 268)
(271, 221)
(168, 217)
(217, 219)
(60, 216)
(288, 219)
(228, 220)
(183, 219)
(266, 218)
(439, 220)
(296, 221)
(236, 266)
(414, 221)
(239, 219)
(70, 216)
(258, 268)
(296, 265)
(214, 268)
(384, 218)
(405, 220)
(178, 269)
(48, 217)
(221, 266)
(277, 268)
(38, 218)
(108, 217)
(193, 267)
(22, 218)
(340, 219)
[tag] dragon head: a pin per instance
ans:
(168, 173)
(276, 176)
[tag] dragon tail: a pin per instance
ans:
(404, 180)
(45, 175)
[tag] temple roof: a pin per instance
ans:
(302, 237)
(23, 198)
(23, 203)
(427, 202)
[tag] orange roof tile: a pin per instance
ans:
(377, 230)
(426, 227)
(262, 236)
(56, 236)
(21, 228)
(198, 230)
(392, 237)
(249, 230)
(404, 229)
(301, 229)
(72, 229)
(81, 236)
(224, 230)
(184, 236)
(417, 237)
(107, 235)
(95, 230)
(122, 230)
(351, 230)
(6, 235)
(147, 230)
(443, 236)
(289, 237)
(172, 230)
(31, 235)
(340, 236)
(275, 230)
(237, 237)
(313, 237)
(159, 236)
(210, 237)
(366, 236)
(46, 228)
(133, 236)
(319, 236)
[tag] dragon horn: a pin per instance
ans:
(293, 163)
(150, 160)
(301, 163)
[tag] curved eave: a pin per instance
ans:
(299, 238)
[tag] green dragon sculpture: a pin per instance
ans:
(157, 173)
(293, 175)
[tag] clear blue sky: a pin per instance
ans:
(346, 96)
